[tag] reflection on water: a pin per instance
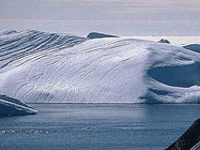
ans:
(97, 126)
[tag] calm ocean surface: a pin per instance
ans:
(97, 126)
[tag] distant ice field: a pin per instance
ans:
(175, 40)
(39, 67)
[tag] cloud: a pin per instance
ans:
(160, 2)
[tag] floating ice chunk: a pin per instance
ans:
(13, 107)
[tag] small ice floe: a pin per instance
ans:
(13, 107)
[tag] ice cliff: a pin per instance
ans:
(38, 67)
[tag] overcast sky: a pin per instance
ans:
(122, 17)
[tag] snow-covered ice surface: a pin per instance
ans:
(37, 67)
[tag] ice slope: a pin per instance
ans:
(16, 45)
(108, 70)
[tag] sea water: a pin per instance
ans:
(97, 126)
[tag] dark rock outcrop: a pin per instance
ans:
(189, 139)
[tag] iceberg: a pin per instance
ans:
(164, 41)
(38, 67)
(96, 35)
(13, 107)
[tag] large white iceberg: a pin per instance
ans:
(37, 67)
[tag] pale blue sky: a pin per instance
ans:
(121, 17)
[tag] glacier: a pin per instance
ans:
(39, 67)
